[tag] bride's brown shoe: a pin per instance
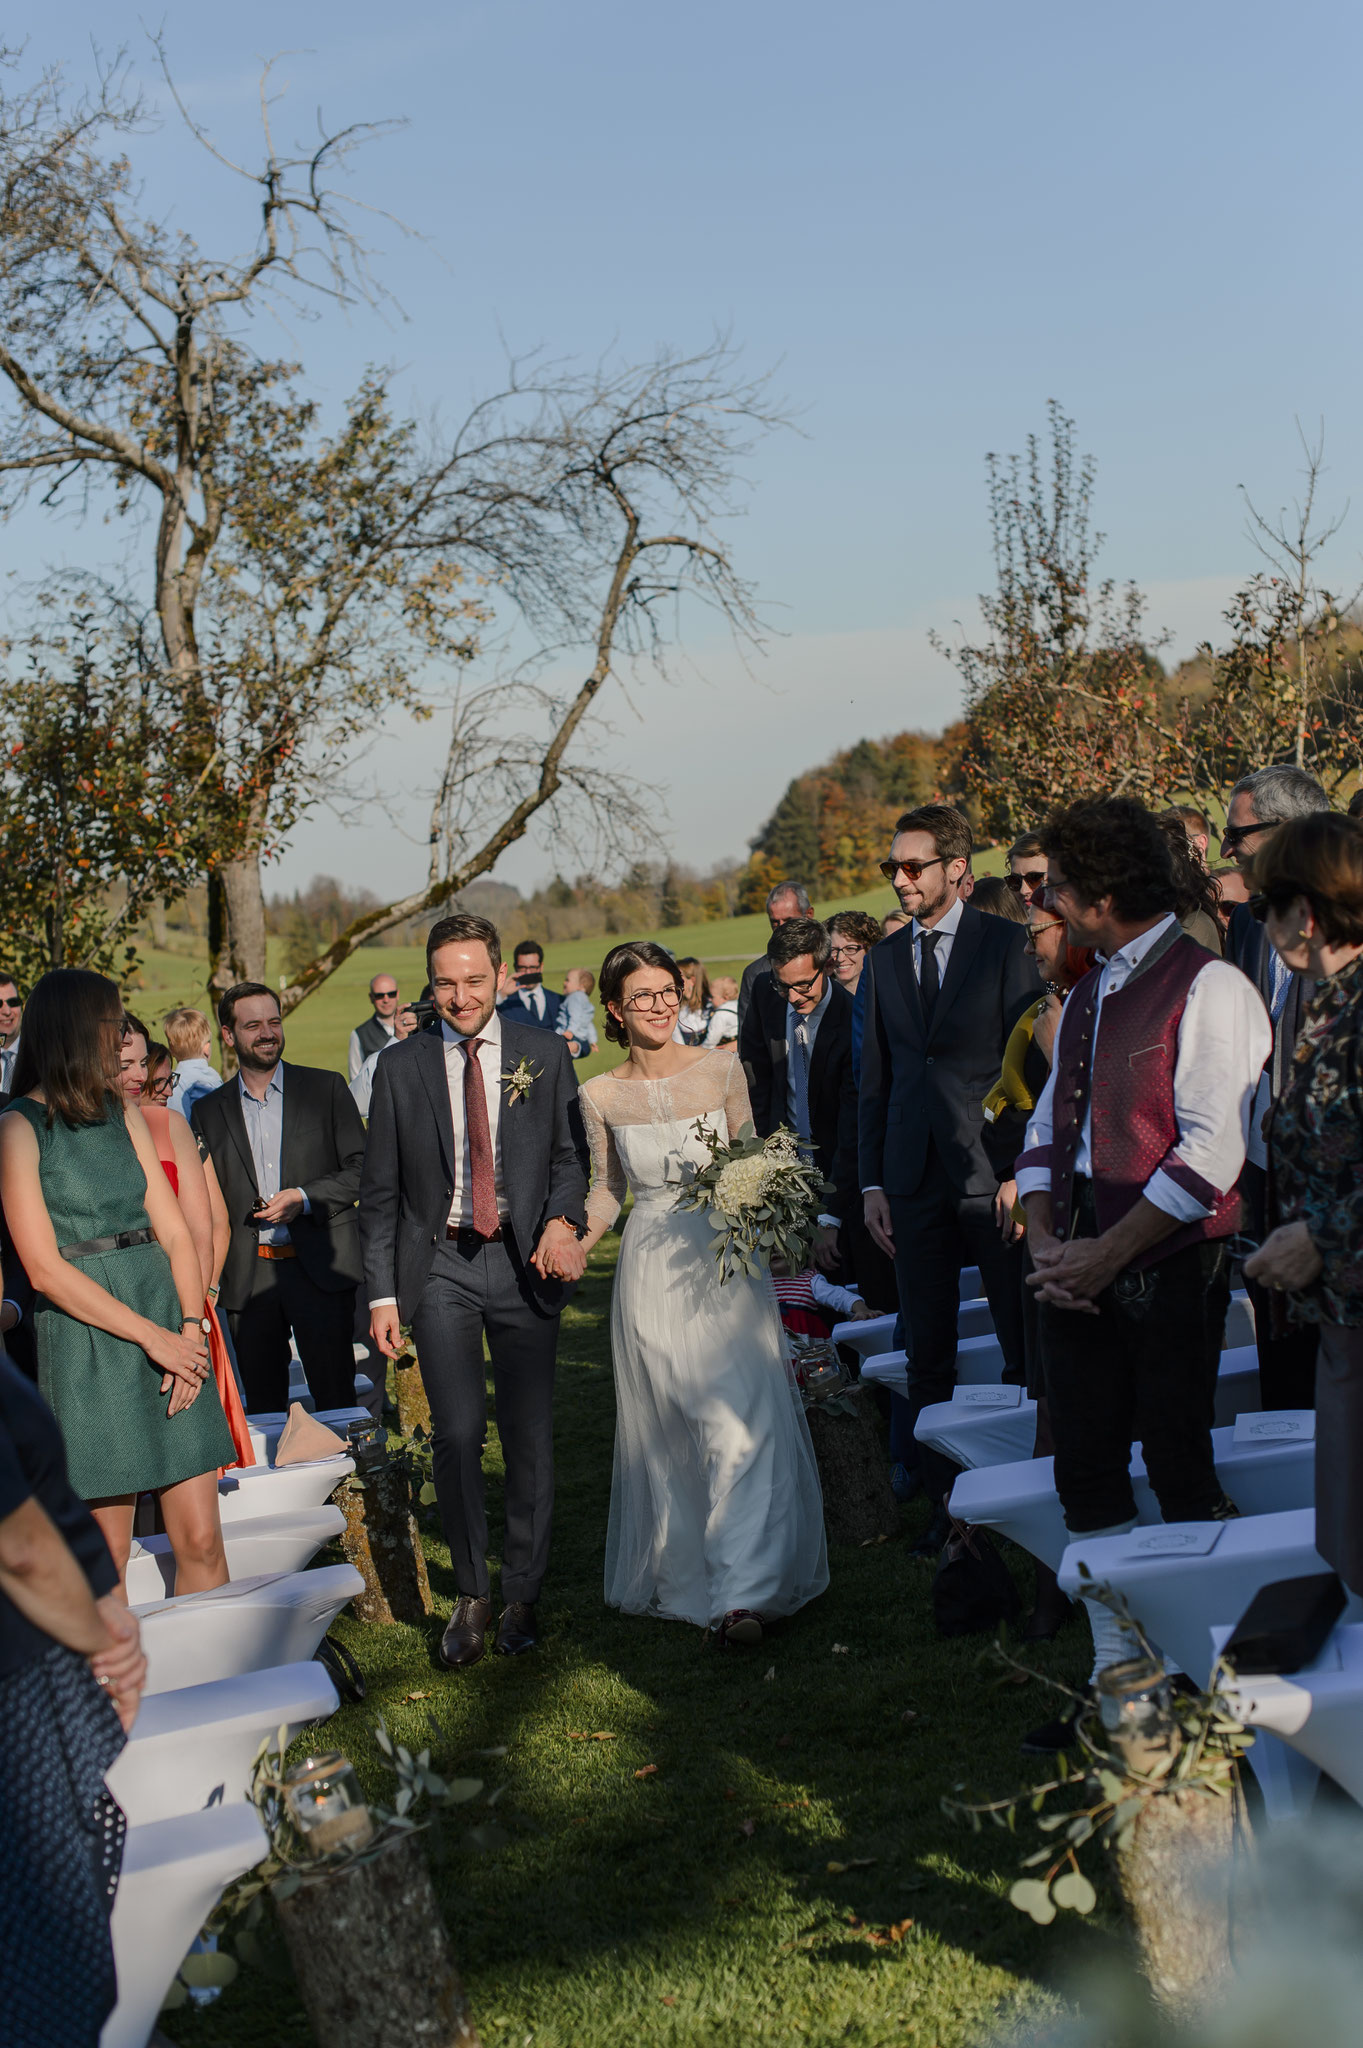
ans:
(740, 1629)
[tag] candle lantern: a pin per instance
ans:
(1135, 1706)
(326, 1804)
(368, 1443)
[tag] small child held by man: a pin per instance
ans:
(577, 1018)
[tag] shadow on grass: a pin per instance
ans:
(697, 1901)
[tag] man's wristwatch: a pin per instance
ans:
(579, 1230)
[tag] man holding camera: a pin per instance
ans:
(286, 1144)
(528, 1001)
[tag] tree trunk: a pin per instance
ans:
(1175, 1881)
(858, 1505)
(372, 1956)
(237, 946)
(382, 1541)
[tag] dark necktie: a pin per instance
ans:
(929, 987)
(482, 1165)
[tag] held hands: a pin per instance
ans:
(1286, 1258)
(120, 1667)
(559, 1255)
(183, 1359)
(281, 1208)
(1070, 1274)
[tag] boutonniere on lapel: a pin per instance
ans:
(519, 1079)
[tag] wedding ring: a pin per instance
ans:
(103, 1681)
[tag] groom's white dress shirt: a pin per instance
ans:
(490, 1067)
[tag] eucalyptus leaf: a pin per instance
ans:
(211, 1967)
(460, 1790)
(1031, 1896)
(1074, 1891)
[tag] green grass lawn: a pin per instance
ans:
(696, 1904)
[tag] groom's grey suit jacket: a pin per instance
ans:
(408, 1179)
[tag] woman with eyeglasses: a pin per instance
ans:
(716, 1513)
(200, 1198)
(1309, 878)
(121, 1354)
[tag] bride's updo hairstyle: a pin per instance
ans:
(616, 969)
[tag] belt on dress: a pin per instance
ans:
(276, 1251)
(121, 1240)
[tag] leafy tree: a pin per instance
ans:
(1063, 697)
(95, 822)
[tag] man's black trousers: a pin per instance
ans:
(476, 1289)
(283, 1299)
(937, 1230)
(1143, 1370)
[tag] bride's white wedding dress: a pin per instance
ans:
(715, 1497)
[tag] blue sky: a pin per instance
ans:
(933, 219)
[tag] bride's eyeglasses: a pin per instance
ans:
(654, 999)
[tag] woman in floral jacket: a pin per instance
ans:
(1310, 882)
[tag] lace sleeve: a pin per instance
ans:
(609, 1184)
(737, 1107)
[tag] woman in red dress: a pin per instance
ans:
(204, 1211)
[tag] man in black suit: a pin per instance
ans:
(528, 1001)
(286, 1144)
(472, 1211)
(796, 1049)
(1258, 802)
(942, 996)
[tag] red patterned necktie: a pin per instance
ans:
(482, 1165)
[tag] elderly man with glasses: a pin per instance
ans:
(942, 997)
(378, 1030)
(1258, 802)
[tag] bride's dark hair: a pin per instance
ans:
(616, 969)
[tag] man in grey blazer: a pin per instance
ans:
(472, 1208)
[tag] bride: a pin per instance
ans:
(716, 1513)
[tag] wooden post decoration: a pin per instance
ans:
(381, 1539)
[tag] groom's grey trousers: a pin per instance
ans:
(476, 1288)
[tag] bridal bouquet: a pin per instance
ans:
(762, 1199)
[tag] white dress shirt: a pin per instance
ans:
(490, 1066)
(1223, 1041)
(946, 930)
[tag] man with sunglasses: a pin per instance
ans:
(796, 1049)
(942, 997)
(1258, 802)
(378, 1030)
(11, 1022)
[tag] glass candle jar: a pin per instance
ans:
(1135, 1706)
(326, 1804)
(368, 1443)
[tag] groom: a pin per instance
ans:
(471, 1215)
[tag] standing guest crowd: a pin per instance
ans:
(1113, 1078)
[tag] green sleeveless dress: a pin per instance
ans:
(105, 1392)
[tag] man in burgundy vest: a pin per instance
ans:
(1128, 1176)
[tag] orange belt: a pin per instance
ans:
(276, 1251)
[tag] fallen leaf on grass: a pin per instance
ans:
(872, 1541)
(788, 1805)
(769, 1673)
(852, 1863)
(891, 1934)
(648, 1771)
(667, 1999)
(842, 1649)
(418, 1695)
(747, 1828)
(587, 1735)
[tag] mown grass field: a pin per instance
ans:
(697, 1905)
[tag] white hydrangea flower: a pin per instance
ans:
(740, 1184)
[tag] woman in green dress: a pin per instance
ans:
(120, 1298)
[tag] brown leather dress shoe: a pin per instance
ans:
(462, 1642)
(518, 1629)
